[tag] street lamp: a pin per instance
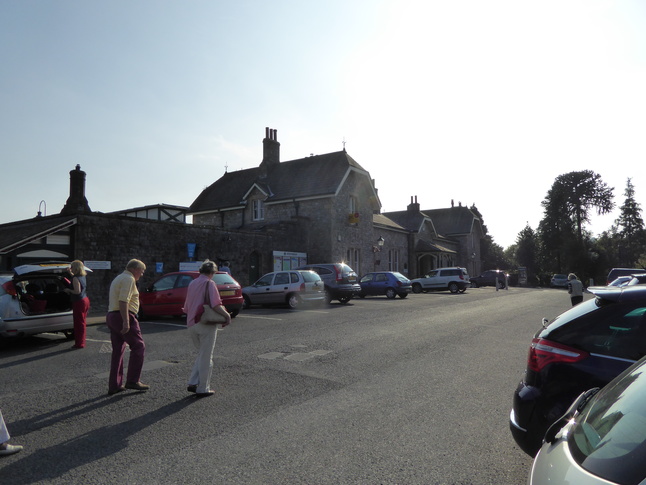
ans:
(380, 244)
(376, 249)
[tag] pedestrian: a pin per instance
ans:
(575, 289)
(121, 319)
(201, 291)
(225, 267)
(80, 302)
(5, 448)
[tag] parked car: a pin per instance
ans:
(166, 296)
(616, 272)
(492, 277)
(341, 282)
(636, 279)
(558, 281)
(33, 300)
(453, 279)
(585, 347)
(620, 281)
(601, 439)
(292, 288)
(389, 283)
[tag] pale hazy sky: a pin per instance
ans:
(483, 102)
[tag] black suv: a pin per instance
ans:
(585, 347)
(489, 277)
(341, 282)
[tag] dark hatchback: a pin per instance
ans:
(340, 280)
(389, 283)
(585, 347)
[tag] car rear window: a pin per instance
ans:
(608, 437)
(310, 277)
(223, 279)
(616, 329)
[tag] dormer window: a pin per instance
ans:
(258, 210)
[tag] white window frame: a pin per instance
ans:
(258, 210)
(353, 259)
(393, 260)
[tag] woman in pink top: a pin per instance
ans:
(203, 290)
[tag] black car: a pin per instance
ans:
(585, 347)
(341, 282)
(490, 277)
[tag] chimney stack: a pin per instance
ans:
(76, 202)
(271, 150)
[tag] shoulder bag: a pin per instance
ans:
(210, 316)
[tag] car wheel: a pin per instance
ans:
(474, 284)
(294, 301)
(345, 299)
(390, 293)
(234, 313)
(246, 303)
(453, 287)
(362, 295)
(403, 295)
(463, 290)
(69, 334)
(417, 288)
(328, 297)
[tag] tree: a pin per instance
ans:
(630, 229)
(527, 251)
(565, 245)
(575, 194)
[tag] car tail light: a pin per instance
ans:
(339, 275)
(10, 288)
(544, 352)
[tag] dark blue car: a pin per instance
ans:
(389, 283)
(585, 347)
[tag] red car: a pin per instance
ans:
(166, 296)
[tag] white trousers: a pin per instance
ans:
(4, 432)
(203, 338)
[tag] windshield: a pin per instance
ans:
(609, 437)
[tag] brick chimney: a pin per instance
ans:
(413, 206)
(76, 202)
(270, 151)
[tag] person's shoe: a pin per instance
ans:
(10, 449)
(191, 388)
(115, 391)
(204, 394)
(137, 386)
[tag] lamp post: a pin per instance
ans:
(377, 249)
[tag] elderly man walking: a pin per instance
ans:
(124, 328)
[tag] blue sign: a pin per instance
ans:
(191, 249)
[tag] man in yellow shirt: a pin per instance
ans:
(121, 319)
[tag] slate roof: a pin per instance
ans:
(410, 220)
(452, 220)
(16, 234)
(315, 176)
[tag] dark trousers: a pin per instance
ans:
(137, 349)
(576, 300)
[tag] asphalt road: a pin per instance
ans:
(404, 391)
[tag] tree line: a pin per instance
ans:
(562, 244)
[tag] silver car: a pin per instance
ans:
(33, 300)
(293, 288)
(602, 437)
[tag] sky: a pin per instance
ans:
(479, 102)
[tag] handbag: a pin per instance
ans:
(210, 316)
